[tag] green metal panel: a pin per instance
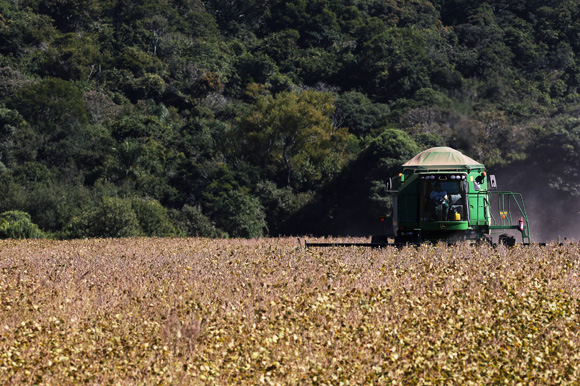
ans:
(408, 200)
(445, 226)
(479, 205)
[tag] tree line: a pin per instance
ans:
(247, 118)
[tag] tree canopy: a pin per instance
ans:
(234, 117)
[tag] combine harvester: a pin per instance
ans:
(441, 195)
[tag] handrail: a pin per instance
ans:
(504, 210)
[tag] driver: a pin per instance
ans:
(439, 197)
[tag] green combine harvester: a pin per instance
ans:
(441, 195)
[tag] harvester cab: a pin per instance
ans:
(442, 197)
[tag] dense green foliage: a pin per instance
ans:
(18, 225)
(237, 118)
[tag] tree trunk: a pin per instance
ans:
(287, 161)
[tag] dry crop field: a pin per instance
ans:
(199, 311)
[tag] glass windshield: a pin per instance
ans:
(443, 198)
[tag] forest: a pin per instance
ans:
(253, 118)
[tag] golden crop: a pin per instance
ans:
(199, 311)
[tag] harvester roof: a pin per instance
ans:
(442, 158)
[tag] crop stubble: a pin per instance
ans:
(199, 311)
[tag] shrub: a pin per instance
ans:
(16, 224)
(241, 215)
(112, 217)
(152, 218)
(192, 222)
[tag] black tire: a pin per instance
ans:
(379, 239)
(507, 240)
(414, 238)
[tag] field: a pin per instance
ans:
(199, 311)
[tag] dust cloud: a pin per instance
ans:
(553, 215)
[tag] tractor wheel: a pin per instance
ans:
(507, 240)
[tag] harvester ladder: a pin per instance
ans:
(505, 202)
